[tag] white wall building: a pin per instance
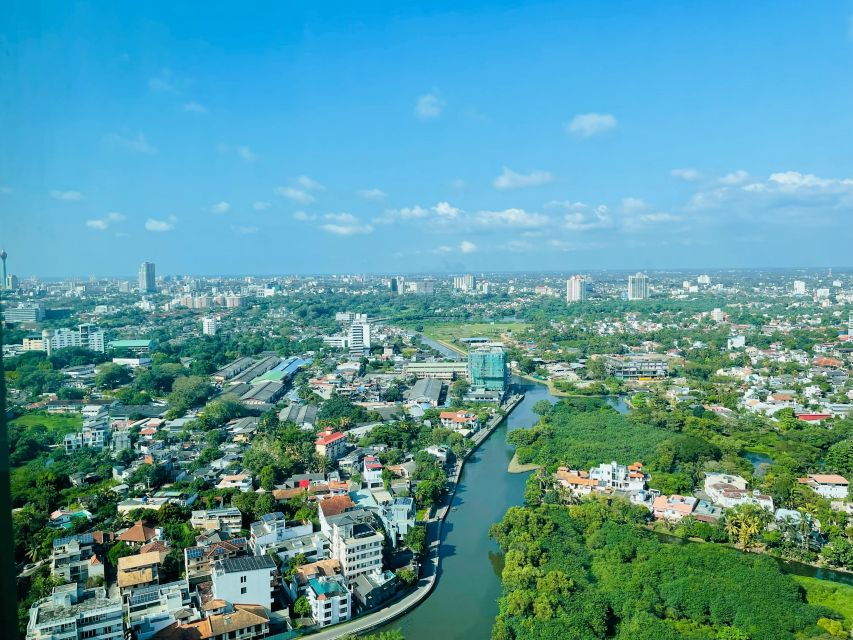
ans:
(576, 289)
(638, 286)
(330, 600)
(209, 326)
(70, 613)
(245, 580)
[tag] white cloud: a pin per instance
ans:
(633, 205)
(102, 224)
(137, 143)
(644, 220)
(428, 106)
(297, 195)
(512, 218)
(246, 153)
(585, 125)
(5, 189)
(345, 224)
(509, 179)
(246, 230)
(467, 247)
(220, 207)
(459, 183)
(194, 107)
(309, 184)
(69, 196)
(446, 210)
(371, 194)
(735, 177)
(260, 205)
(304, 217)
(688, 175)
(152, 224)
(406, 213)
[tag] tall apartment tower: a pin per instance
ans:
(464, 283)
(575, 289)
(146, 278)
(638, 286)
(209, 326)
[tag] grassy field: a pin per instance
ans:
(57, 424)
(492, 331)
(832, 595)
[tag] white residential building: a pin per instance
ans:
(155, 605)
(465, 283)
(209, 326)
(638, 286)
(268, 533)
(576, 289)
(330, 600)
(358, 337)
(245, 580)
(828, 485)
(355, 543)
(71, 613)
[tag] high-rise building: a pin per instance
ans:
(638, 286)
(576, 289)
(209, 326)
(146, 278)
(24, 312)
(3, 256)
(394, 286)
(464, 283)
(358, 337)
(704, 279)
(487, 369)
(11, 281)
(799, 287)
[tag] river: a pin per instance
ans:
(464, 603)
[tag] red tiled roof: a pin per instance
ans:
(335, 505)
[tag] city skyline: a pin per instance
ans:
(618, 137)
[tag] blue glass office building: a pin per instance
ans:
(487, 369)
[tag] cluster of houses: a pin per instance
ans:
(721, 491)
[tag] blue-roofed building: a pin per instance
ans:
(330, 600)
(75, 559)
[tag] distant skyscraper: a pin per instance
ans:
(358, 337)
(394, 286)
(799, 287)
(146, 278)
(575, 289)
(464, 283)
(3, 255)
(638, 286)
(704, 279)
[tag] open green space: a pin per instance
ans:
(56, 424)
(492, 331)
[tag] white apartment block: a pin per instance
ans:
(330, 600)
(70, 613)
(209, 326)
(355, 543)
(245, 580)
(575, 289)
(272, 530)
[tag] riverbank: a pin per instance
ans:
(431, 567)
(516, 467)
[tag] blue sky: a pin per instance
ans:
(396, 137)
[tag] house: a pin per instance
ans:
(139, 570)
(372, 472)
(716, 483)
(673, 508)
(397, 514)
(64, 518)
(331, 444)
(74, 558)
(74, 613)
(319, 569)
(199, 560)
(240, 481)
(374, 588)
(614, 477)
(227, 519)
(271, 530)
(245, 579)
(237, 622)
(578, 482)
(333, 506)
(138, 534)
(156, 605)
(828, 485)
(459, 420)
(330, 600)
(313, 546)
